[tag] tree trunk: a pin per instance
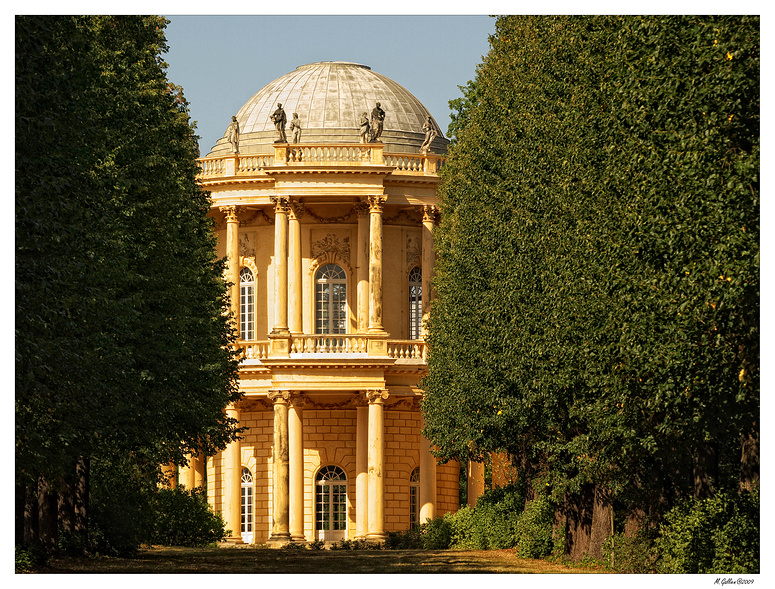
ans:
(705, 470)
(634, 522)
(749, 461)
(30, 515)
(602, 522)
(578, 516)
(81, 500)
(47, 515)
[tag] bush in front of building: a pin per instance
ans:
(184, 518)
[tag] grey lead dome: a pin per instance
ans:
(330, 98)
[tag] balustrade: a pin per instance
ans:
(346, 154)
(335, 344)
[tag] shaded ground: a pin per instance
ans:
(270, 561)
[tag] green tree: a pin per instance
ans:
(597, 280)
(122, 330)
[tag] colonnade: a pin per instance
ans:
(288, 461)
(288, 266)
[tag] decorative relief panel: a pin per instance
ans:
(413, 251)
(247, 244)
(330, 248)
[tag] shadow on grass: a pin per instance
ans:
(277, 561)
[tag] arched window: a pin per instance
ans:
(414, 498)
(331, 300)
(330, 503)
(415, 303)
(247, 306)
(246, 506)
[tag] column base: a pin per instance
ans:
(278, 540)
(376, 537)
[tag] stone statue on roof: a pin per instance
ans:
(295, 128)
(377, 119)
(365, 127)
(430, 135)
(279, 119)
(232, 134)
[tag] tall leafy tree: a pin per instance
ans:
(122, 330)
(598, 294)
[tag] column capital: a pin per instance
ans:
(280, 396)
(376, 202)
(430, 214)
(361, 208)
(281, 204)
(298, 399)
(231, 212)
(296, 209)
(377, 396)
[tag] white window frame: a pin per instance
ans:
(331, 504)
(247, 304)
(331, 300)
(414, 498)
(415, 302)
(246, 506)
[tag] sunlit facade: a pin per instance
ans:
(328, 240)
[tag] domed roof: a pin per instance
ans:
(330, 97)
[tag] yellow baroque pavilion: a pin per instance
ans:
(324, 199)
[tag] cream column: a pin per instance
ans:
(199, 467)
(295, 212)
(361, 467)
(363, 268)
(280, 469)
(376, 452)
(429, 214)
(187, 474)
(376, 204)
(475, 482)
(427, 481)
(296, 468)
(232, 258)
(232, 480)
(281, 266)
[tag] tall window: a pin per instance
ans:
(414, 498)
(246, 506)
(415, 303)
(330, 503)
(247, 306)
(331, 300)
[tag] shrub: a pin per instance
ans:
(630, 555)
(719, 535)
(534, 528)
(29, 558)
(404, 540)
(436, 533)
(184, 518)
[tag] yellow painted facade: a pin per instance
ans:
(328, 245)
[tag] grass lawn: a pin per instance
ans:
(269, 561)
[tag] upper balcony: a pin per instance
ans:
(316, 155)
(350, 346)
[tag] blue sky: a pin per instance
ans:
(221, 61)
